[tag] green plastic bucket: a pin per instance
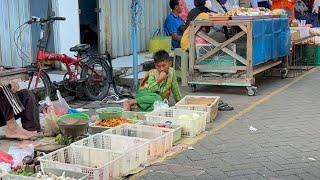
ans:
(73, 125)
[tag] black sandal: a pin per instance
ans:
(225, 108)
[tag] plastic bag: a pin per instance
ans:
(19, 153)
(5, 157)
(51, 126)
(62, 101)
(60, 107)
(161, 104)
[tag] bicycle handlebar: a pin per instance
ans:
(35, 19)
(58, 18)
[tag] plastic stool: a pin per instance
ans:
(180, 64)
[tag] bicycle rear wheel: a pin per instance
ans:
(96, 74)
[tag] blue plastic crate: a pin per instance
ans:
(258, 28)
(276, 25)
(258, 53)
(268, 23)
(285, 39)
(268, 46)
(276, 44)
(258, 31)
(285, 24)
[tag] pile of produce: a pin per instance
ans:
(63, 140)
(200, 101)
(242, 11)
(22, 172)
(112, 122)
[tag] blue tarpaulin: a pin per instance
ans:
(271, 39)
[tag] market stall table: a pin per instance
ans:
(262, 51)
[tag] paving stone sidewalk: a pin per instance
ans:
(286, 144)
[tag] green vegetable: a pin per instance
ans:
(22, 172)
(63, 140)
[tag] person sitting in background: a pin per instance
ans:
(260, 3)
(173, 25)
(201, 10)
(201, 6)
(157, 85)
(302, 13)
(18, 104)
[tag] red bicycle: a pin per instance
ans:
(92, 72)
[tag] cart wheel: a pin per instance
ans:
(193, 87)
(284, 73)
(251, 90)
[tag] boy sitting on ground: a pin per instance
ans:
(156, 85)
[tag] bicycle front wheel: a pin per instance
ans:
(96, 74)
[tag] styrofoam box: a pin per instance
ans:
(192, 122)
(212, 109)
(134, 150)
(160, 139)
(96, 163)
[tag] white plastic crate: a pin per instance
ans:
(160, 139)
(192, 122)
(211, 108)
(97, 164)
(134, 150)
(177, 129)
(17, 177)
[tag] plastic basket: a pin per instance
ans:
(134, 115)
(177, 129)
(97, 164)
(17, 177)
(192, 122)
(134, 150)
(78, 176)
(211, 109)
(160, 139)
(109, 112)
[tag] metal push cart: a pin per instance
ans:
(244, 67)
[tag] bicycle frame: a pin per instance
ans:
(67, 60)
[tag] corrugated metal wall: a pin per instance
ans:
(13, 14)
(154, 14)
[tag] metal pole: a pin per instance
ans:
(134, 27)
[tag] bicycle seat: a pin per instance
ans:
(80, 48)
